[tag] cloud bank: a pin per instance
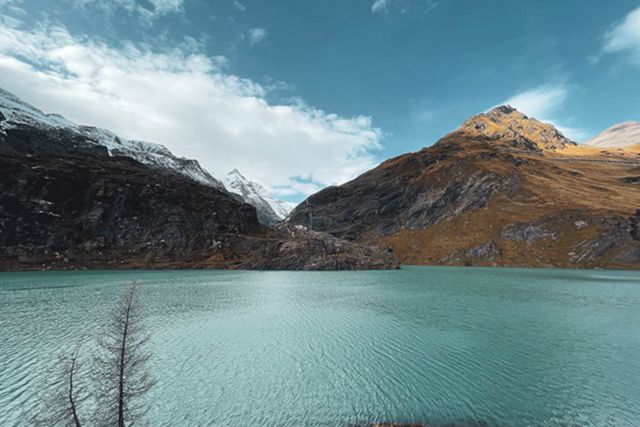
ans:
(187, 102)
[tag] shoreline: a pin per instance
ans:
(198, 266)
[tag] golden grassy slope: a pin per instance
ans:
(556, 193)
(460, 200)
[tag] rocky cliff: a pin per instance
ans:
(504, 189)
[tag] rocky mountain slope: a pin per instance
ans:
(17, 112)
(504, 189)
(270, 210)
(67, 200)
(618, 136)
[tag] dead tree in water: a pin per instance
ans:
(120, 374)
(61, 407)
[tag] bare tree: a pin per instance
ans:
(60, 408)
(120, 373)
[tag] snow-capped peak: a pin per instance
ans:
(271, 209)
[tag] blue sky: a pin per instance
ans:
(303, 94)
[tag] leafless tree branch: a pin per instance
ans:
(120, 365)
(61, 407)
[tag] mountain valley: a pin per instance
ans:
(502, 190)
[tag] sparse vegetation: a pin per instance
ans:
(118, 379)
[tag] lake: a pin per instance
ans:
(475, 346)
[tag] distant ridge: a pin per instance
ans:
(618, 136)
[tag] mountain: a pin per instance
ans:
(270, 210)
(619, 136)
(17, 112)
(78, 197)
(504, 189)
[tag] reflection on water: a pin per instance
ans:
(479, 346)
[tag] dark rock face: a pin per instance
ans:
(634, 224)
(66, 204)
(399, 195)
(487, 252)
(632, 180)
(297, 248)
(591, 249)
(527, 233)
(24, 140)
(617, 235)
(81, 205)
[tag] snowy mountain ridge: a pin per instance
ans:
(15, 112)
(150, 153)
(273, 210)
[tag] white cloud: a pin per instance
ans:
(625, 37)
(239, 6)
(186, 102)
(544, 103)
(296, 187)
(379, 6)
(256, 35)
(167, 6)
(421, 7)
(540, 101)
(153, 9)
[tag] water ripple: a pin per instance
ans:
(473, 347)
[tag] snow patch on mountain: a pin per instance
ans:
(272, 210)
(16, 112)
(150, 153)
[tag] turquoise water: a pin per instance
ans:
(505, 347)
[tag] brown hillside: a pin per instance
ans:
(504, 189)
